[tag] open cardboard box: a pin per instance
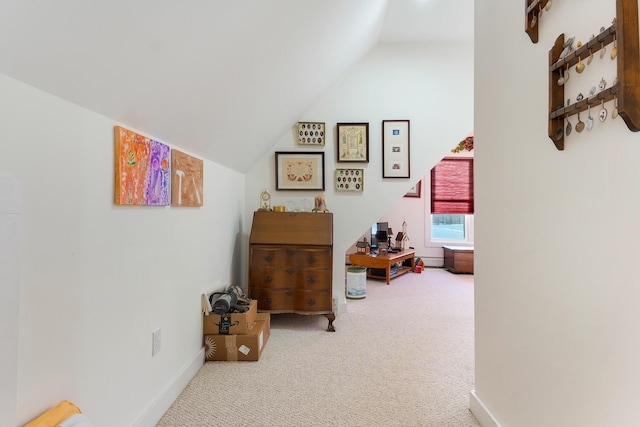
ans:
(231, 323)
(247, 347)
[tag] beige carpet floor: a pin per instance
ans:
(402, 356)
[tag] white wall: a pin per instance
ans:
(431, 85)
(416, 213)
(97, 279)
(556, 283)
(10, 228)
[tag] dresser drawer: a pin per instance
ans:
(297, 278)
(270, 256)
(293, 256)
(313, 258)
(288, 299)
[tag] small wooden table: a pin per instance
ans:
(385, 262)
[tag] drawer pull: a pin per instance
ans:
(268, 279)
(311, 259)
(311, 280)
(268, 258)
(311, 301)
(267, 301)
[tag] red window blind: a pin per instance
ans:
(452, 186)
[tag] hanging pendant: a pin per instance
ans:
(603, 84)
(579, 125)
(589, 118)
(602, 115)
(559, 131)
(561, 80)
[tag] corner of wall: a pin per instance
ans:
(170, 393)
(481, 412)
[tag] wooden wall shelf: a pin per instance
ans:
(591, 47)
(533, 8)
(627, 88)
(580, 106)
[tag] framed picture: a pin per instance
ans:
(311, 133)
(353, 142)
(349, 180)
(395, 149)
(415, 190)
(298, 170)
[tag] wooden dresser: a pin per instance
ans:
(291, 263)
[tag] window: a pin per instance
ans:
(452, 202)
(452, 186)
(456, 227)
(448, 227)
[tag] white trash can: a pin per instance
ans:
(356, 282)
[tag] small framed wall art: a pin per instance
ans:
(187, 176)
(349, 180)
(353, 142)
(395, 149)
(299, 170)
(415, 191)
(311, 133)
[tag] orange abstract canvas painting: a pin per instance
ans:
(143, 170)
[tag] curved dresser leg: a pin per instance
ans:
(331, 317)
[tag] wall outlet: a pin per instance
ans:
(156, 342)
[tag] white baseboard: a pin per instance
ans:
(170, 393)
(481, 412)
(432, 262)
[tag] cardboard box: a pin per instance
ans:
(246, 347)
(229, 324)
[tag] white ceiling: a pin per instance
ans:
(194, 72)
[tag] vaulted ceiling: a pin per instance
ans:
(206, 75)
